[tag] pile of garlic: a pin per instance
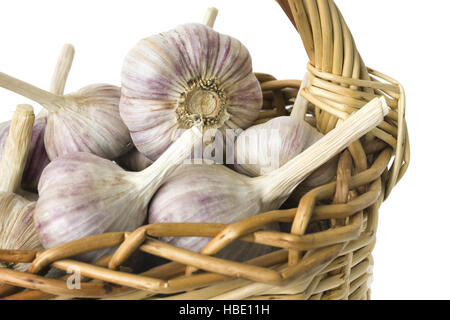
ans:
(181, 91)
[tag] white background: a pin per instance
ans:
(406, 39)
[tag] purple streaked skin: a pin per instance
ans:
(83, 195)
(37, 157)
(17, 230)
(159, 70)
(279, 141)
(89, 122)
(199, 194)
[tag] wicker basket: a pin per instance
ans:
(310, 263)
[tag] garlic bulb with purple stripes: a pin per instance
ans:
(263, 148)
(211, 193)
(81, 194)
(172, 79)
(85, 121)
(217, 194)
(37, 156)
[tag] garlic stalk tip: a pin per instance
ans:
(301, 104)
(62, 69)
(16, 149)
(210, 17)
(281, 182)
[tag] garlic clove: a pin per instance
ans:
(172, 79)
(81, 194)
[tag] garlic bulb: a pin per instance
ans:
(263, 148)
(81, 194)
(37, 156)
(206, 193)
(17, 229)
(172, 79)
(215, 193)
(85, 121)
(134, 161)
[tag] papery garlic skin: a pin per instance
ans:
(76, 203)
(215, 193)
(81, 194)
(172, 79)
(207, 194)
(17, 228)
(263, 148)
(37, 157)
(90, 122)
(85, 121)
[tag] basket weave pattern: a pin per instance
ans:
(335, 263)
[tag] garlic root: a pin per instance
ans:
(191, 73)
(135, 160)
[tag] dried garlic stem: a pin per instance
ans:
(301, 104)
(169, 161)
(62, 69)
(16, 150)
(279, 184)
(210, 17)
(60, 74)
(48, 100)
